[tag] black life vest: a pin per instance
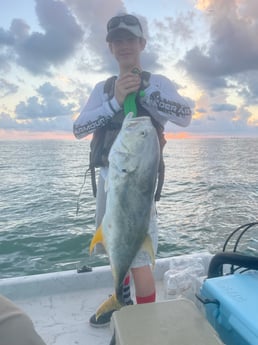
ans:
(104, 137)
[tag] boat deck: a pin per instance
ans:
(63, 319)
(60, 304)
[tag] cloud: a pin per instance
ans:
(225, 67)
(4, 63)
(50, 103)
(177, 28)
(7, 88)
(223, 107)
(61, 123)
(19, 30)
(201, 110)
(226, 124)
(248, 87)
(213, 114)
(201, 67)
(6, 38)
(7, 122)
(233, 43)
(38, 51)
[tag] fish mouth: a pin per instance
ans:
(134, 122)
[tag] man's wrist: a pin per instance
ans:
(114, 105)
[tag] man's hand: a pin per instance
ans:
(126, 84)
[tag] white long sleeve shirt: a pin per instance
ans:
(160, 99)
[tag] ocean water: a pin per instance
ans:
(211, 188)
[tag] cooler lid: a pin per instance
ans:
(238, 298)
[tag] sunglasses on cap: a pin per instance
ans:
(127, 19)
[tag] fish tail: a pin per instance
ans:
(111, 304)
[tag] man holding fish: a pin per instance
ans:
(127, 115)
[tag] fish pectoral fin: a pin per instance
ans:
(147, 246)
(97, 238)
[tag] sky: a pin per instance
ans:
(53, 52)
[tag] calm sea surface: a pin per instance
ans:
(211, 188)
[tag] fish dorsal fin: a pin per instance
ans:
(147, 246)
(97, 238)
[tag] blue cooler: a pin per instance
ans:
(233, 307)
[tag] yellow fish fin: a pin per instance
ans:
(147, 246)
(97, 238)
(110, 304)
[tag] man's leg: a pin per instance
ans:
(145, 291)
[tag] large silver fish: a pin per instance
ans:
(133, 167)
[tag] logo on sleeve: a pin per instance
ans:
(168, 107)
